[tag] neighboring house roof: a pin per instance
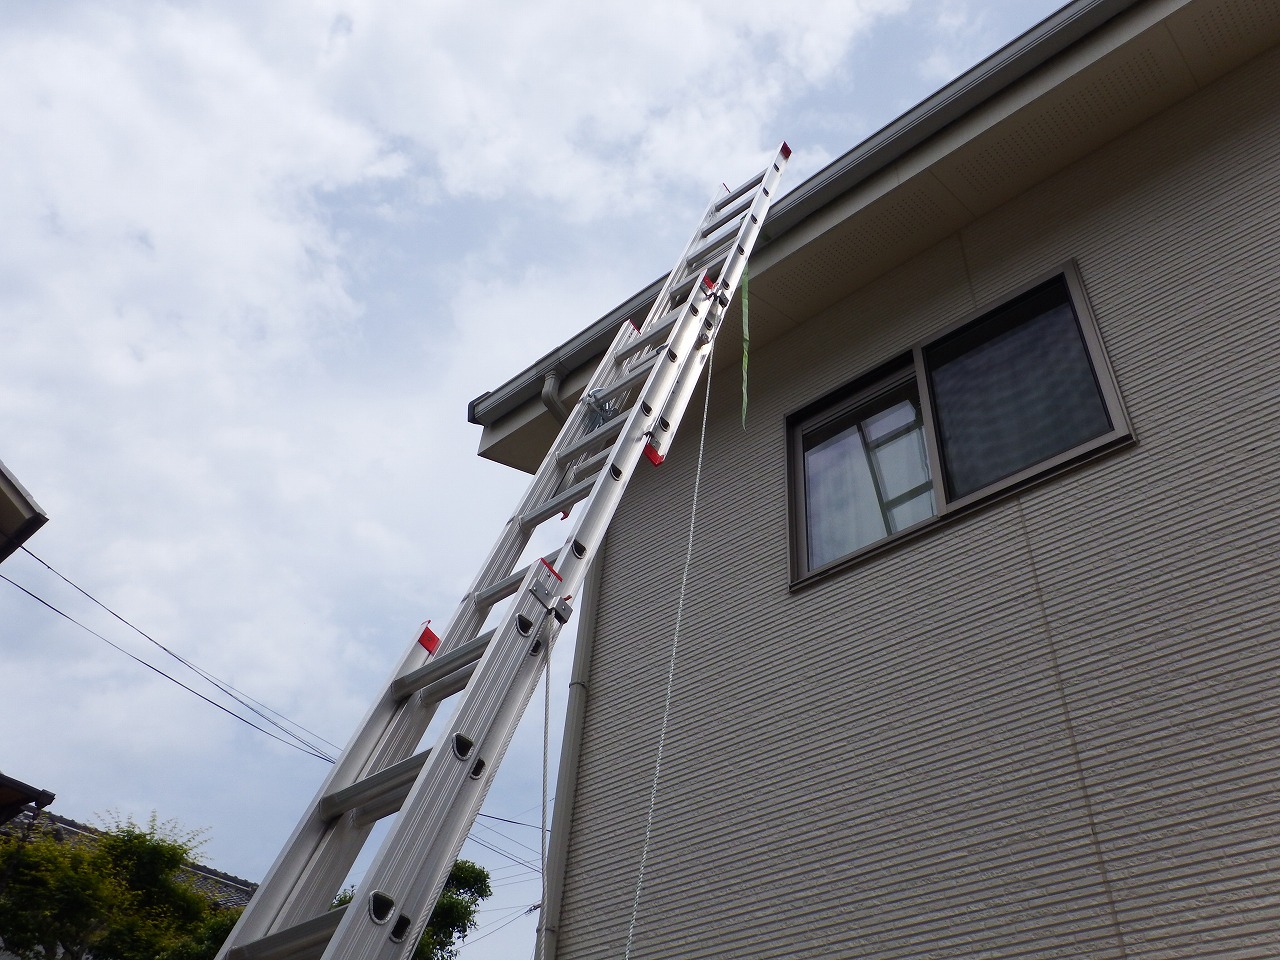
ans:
(1073, 83)
(16, 796)
(223, 889)
(20, 516)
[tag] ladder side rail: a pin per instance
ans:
(263, 914)
(680, 272)
(296, 882)
(589, 530)
(730, 275)
(492, 683)
(393, 746)
(304, 870)
(686, 351)
(440, 807)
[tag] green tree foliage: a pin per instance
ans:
(454, 915)
(117, 895)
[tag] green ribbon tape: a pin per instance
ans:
(746, 346)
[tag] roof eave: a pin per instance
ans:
(993, 75)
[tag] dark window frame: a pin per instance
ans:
(909, 367)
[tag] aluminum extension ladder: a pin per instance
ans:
(631, 406)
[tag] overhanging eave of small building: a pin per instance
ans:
(1081, 78)
(20, 516)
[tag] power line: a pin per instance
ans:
(510, 839)
(239, 696)
(518, 823)
(501, 852)
(524, 913)
(298, 745)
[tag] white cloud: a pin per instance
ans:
(257, 258)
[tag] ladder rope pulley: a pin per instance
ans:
(631, 407)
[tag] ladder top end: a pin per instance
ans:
(786, 150)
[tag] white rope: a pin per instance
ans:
(671, 671)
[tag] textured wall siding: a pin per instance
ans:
(1048, 729)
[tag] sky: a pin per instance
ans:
(256, 260)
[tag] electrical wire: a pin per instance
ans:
(509, 839)
(298, 745)
(503, 853)
(239, 696)
(524, 913)
(518, 823)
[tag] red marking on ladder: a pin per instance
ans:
(551, 568)
(708, 283)
(632, 321)
(786, 150)
(428, 638)
(651, 452)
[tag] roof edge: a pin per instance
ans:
(990, 77)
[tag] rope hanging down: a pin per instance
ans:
(671, 667)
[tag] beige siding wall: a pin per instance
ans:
(1049, 729)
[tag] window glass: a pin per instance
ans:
(866, 476)
(1013, 395)
(1013, 390)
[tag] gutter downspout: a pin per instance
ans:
(567, 772)
(551, 396)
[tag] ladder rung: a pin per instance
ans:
(380, 794)
(506, 586)
(590, 465)
(708, 257)
(729, 215)
(657, 332)
(682, 288)
(305, 941)
(559, 503)
(746, 187)
(601, 434)
(442, 667)
(634, 378)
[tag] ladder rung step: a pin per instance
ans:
(638, 375)
(708, 257)
(305, 941)
(506, 586)
(729, 215)
(559, 503)
(746, 187)
(386, 788)
(657, 332)
(442, 667)
(590, 465)
(681, 288)
(601, 434)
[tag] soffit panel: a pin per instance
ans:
(887, 230)
(1229, 30)
(1084, 113)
